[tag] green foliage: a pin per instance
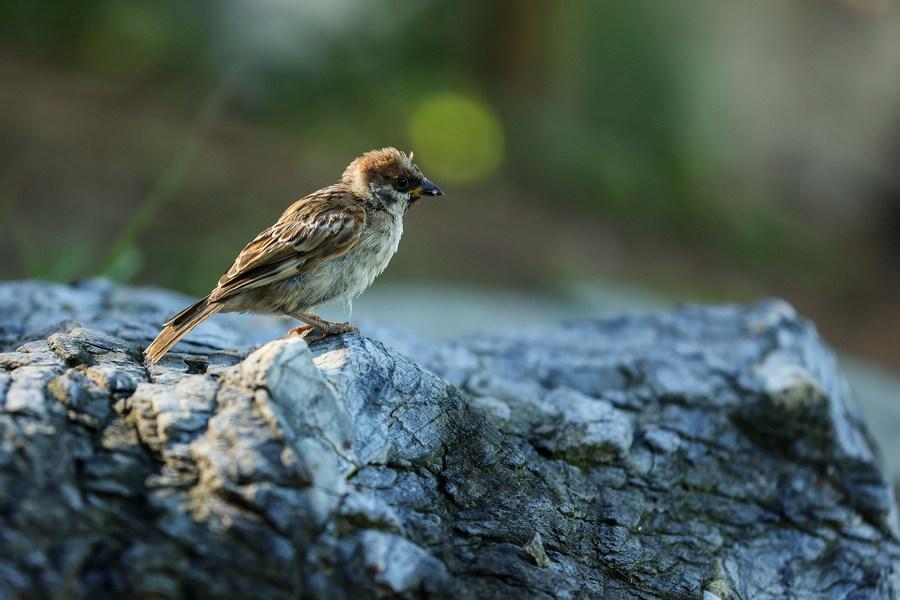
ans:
(581, 103)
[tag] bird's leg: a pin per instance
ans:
(317, 328)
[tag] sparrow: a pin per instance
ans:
(326, 246)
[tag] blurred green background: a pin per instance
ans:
(642, 151)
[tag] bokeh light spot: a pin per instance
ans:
(459, 139)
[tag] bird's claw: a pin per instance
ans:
(313, 334)
(301, 330)
(338, 328)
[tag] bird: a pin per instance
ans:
(329, 245)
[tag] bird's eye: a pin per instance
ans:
(402, 182)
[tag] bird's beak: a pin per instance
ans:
(426, 189)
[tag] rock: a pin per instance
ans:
(709, 452)
(535, 549)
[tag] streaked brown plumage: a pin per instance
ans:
(328, 245)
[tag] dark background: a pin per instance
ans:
(697, 150)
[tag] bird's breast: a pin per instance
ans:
(348, 276)
(377, 244)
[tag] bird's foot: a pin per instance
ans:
(330, 328)
(314, 334)
(302, 331)
(335, 328)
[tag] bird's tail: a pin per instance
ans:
(178, 326)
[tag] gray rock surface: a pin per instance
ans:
(708, 452)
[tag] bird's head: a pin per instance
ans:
(388, 176)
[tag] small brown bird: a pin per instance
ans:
(329, 245)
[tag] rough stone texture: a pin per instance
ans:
(710, 452)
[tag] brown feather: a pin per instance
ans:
(179, 326)
(321, 226)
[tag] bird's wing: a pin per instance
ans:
(320, 227)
